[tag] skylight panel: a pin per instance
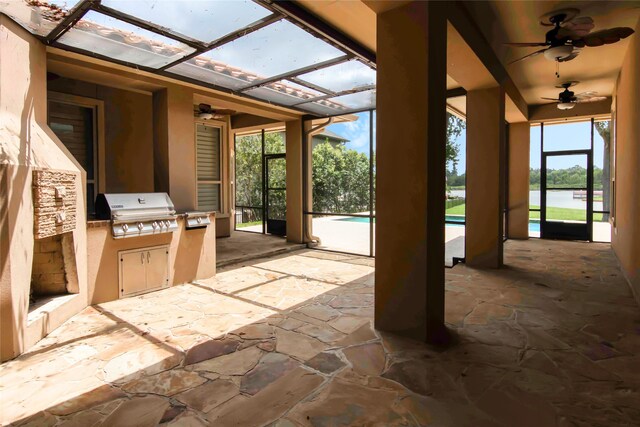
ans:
(284, 92)
(203, 20)
(340, 77)
(323, 108)
(41, 17)
(267, 52)
(357, 101)
(108, 36)
(342, 104)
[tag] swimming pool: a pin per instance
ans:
(534, 225)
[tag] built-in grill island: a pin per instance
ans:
(196, 220)
(137, 214)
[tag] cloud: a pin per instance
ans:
(357, 132)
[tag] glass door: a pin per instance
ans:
(566, 195)
(276, 193)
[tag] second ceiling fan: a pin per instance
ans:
(566, 99)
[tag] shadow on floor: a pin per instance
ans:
(553, 339)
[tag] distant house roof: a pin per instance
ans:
(332, 136)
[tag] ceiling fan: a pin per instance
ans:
(205, 112)
(567, 99)
(569, 34)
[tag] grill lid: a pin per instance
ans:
(122, 206)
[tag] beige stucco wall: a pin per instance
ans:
(192, 256)
(518, 209)
(128, 133)
(27, 143)
(294, 181)
(485, 178)
(410, 185)
(626, 234)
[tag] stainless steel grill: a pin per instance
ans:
(137, 214)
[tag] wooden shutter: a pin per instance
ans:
(208, 167)
(73, 124)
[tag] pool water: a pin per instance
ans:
(533, 225)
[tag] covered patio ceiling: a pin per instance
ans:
(258, 49)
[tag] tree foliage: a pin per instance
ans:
(340, 179)
(340, 176)
(575, 176)
(455, 126)
(604, 130)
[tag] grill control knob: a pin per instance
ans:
(155, 224)
(140, 226)
(125, 227)
(199, 220)
(167, 223)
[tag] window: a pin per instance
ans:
(75, 125)
(208, 166)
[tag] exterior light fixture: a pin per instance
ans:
(566, 105)
(205, 116)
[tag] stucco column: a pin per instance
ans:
(294, 181)
(174, 146)
(410, 186)
(485, 177)
(518, 209)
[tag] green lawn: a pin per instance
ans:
(567, 214)
(248, 224)
(456, 210)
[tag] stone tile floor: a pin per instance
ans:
(553, 339)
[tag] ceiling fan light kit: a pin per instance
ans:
(558, 52)
(566, 105)
(205, 116)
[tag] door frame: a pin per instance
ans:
(559, 229)
(265, 195)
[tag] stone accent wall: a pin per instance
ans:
(54, 202)
(48, 273)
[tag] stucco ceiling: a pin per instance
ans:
(596, 67)
(512, 21)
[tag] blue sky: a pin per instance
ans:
(357, 132)
(566, 136)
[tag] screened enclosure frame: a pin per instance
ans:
(590, 211)
(280, 11)
(306, 185)
(262, 208)
(264, 156)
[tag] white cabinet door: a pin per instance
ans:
(157, 260)
(133, 268)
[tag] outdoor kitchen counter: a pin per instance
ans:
(92, 222)
(192, 255)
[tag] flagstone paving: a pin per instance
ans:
(553, 339)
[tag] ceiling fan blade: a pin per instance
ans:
(549, 99)
(223, 111)
(591, 99)
(576, 28)
(525, 44)
(608, 36)
(537, 52)
(586, 94)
